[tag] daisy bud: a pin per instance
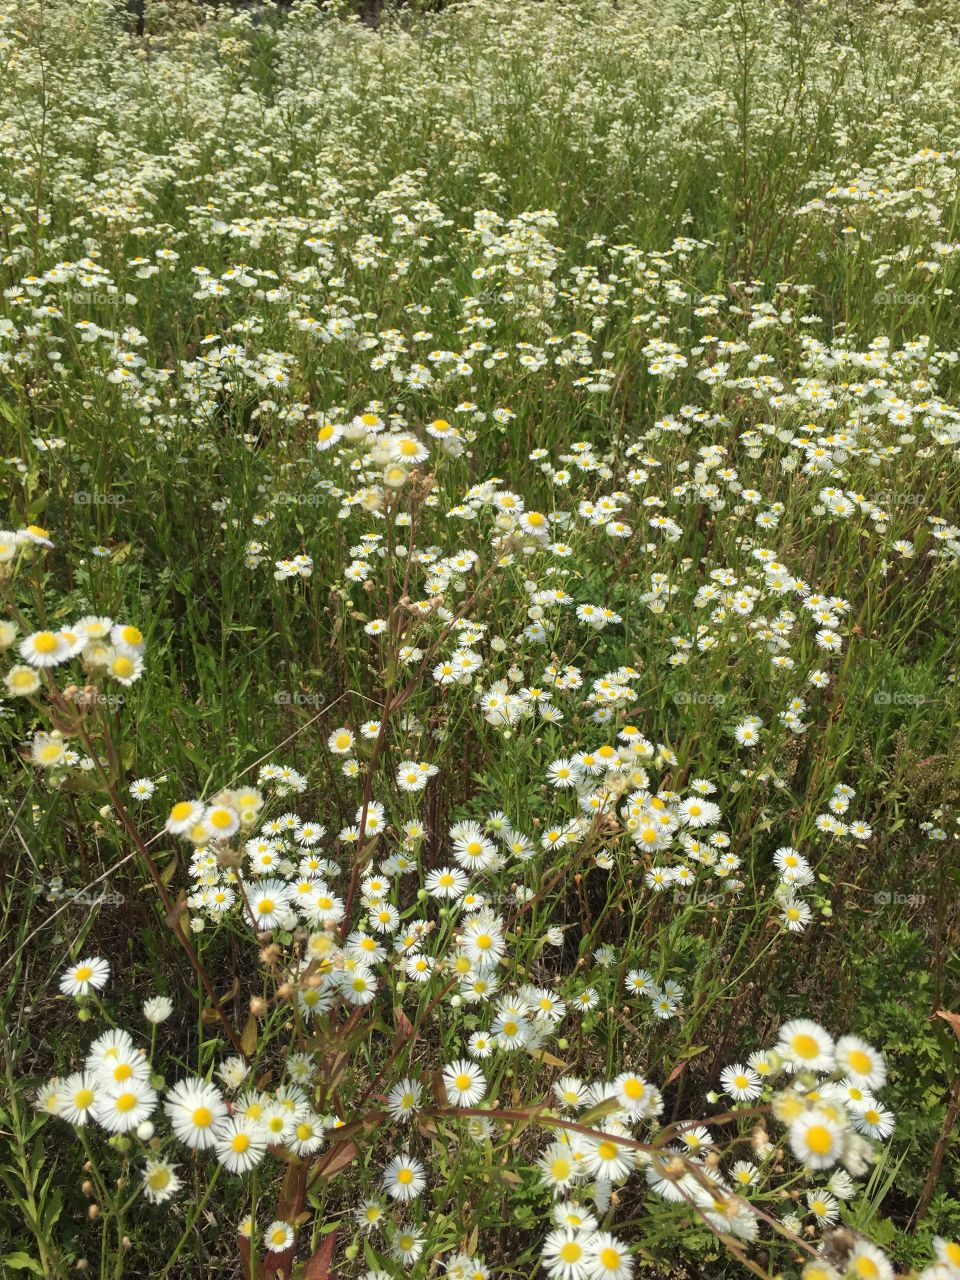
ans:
(258, 1006)
(87, 1187)
(93, 1212)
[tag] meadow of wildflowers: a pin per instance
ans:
(479, 594)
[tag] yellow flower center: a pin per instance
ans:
(859, 1061)
(819, 1139)
(805, 1046)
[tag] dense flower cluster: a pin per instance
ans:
(542, 578)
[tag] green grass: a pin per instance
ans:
(694, 262)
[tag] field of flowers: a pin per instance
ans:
(479, 599)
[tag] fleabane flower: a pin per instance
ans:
(607, 1258)
(240, 1144)
(195, 1110)
(45, 649)
(123, 1107)
(89, 975)
(404, 1178)
(860, 1062)
(805, 1044)
(160, 1181)
(816, 1138)
(464, 1083)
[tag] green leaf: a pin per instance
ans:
(601, 1110)
(22, 1262)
